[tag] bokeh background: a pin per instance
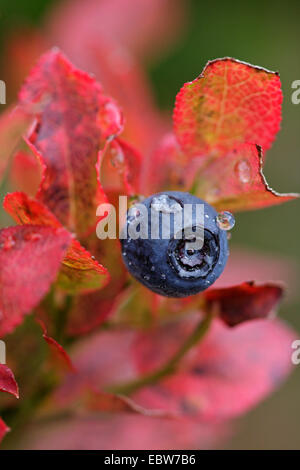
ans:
(259, 32)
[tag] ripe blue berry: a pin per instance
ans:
(171, 264)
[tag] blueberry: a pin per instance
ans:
(165, 259)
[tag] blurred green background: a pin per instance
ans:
(263, 33)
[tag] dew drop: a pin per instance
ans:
(243, 171)
(225, 220)
(166, 204)
(8, 243)
(146, 277)
(111, 119)
(117, 158)
(33, 236)
(163, 276)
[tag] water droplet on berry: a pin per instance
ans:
(225, 220)
(163, 276)
(243, 171)
(166, 204)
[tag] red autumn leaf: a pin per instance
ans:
(222, 120)
(226, 375)
(59, 353)
(13, 124)
(25, 172)
(3, 429)
(75, 119)
(119, 159)
(231, 102)
(79, 270)
(30, 259)
(28, 211)
(61, 357)
(8, 383)
(244, 302)
(242, 186)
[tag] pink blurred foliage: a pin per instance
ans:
(214, 361)
(123, 432)
(142, 26)
(224, 376)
